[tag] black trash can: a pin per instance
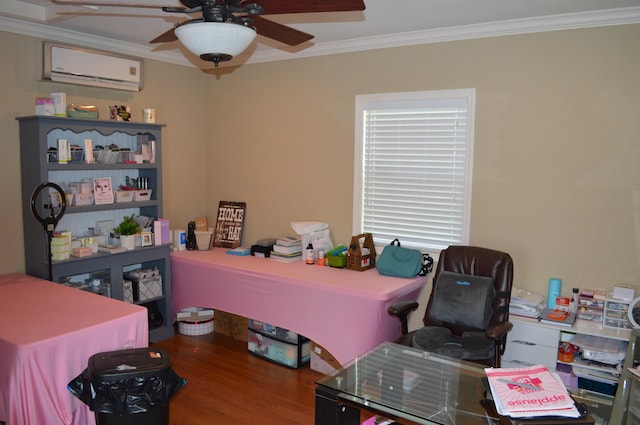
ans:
(128, 387)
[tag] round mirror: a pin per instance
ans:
(634, 312)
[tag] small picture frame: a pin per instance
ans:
(102, 191)
(147, 238)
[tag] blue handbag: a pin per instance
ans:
(403, 262)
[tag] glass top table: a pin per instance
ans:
(399, 382)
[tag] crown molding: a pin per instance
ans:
(612, 17)
(90, 41)
(601, 18)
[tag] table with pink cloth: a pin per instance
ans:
(344, 311)
(48, 332)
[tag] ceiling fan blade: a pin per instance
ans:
(170, 34)
(191, 3)
(274, 7)
(279, 32)
(105, 4)
(165, 37)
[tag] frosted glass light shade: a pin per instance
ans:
(215, 41)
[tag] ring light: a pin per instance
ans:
(633, 312)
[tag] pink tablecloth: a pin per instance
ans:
(345, 311)
(48, 332)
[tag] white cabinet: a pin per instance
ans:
(529, 344)
(532, 342)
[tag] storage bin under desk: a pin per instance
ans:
(268, 346)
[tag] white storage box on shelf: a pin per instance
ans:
(124, 195)
(147, 283)
(615, 313)
(142, 195)
(195, 321)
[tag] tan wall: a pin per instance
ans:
(555, 182)
(555, 179)
(176, 92)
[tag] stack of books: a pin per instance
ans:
(287, 249)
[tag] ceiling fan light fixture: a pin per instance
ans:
(215, 41)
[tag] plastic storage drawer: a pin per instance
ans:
(281, 334)
(284, 353)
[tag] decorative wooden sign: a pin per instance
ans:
(229, 224)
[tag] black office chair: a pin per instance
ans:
(468, 310)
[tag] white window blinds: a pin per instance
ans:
(414, 155)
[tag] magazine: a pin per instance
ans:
(530, 391)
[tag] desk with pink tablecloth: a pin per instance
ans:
(48, 332)
(343, 310)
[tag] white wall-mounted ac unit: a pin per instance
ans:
(78, 65)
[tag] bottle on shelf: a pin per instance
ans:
(573, 303)
(309, 254)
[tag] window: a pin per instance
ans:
(413, 162)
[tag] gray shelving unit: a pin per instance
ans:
(37, 135)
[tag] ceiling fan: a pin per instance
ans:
(227, 27)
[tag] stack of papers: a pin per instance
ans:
(525, 303)
(526, 392)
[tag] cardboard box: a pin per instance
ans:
(232, 325)
(321, 360)
(223, 323)
(239, 327)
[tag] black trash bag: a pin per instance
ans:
(131, 393)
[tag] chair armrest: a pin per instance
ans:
(498, 331)
(401, 310)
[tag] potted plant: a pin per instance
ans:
(127, 230)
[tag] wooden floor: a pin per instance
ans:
(228, 385)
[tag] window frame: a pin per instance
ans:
(369, 101)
